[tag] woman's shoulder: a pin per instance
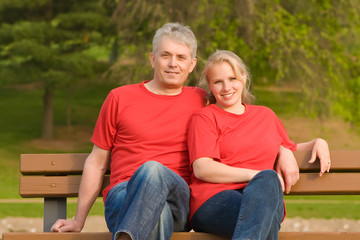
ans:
(260, 109)
(206, 112)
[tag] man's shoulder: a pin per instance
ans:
(195, 90)
(125, 88)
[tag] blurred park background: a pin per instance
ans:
(59, 59)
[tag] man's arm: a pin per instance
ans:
(94, 169)
(287, 167)
(319, 149)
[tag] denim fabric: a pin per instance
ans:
(151, 205)
(253, 213)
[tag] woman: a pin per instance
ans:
(233, 146)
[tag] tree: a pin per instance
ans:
(44, 42)
(310, 45)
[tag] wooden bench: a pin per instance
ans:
(55, 177)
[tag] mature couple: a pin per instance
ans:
(164, 137)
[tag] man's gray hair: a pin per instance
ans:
(177, 32)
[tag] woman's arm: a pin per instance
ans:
(209, 170)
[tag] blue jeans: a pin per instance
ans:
(254, 212)
(151, 205)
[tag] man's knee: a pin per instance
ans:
(152, 168)
(153, 172)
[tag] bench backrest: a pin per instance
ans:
(58, 175)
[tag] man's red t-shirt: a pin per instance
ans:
(251, 140)
(137, 126)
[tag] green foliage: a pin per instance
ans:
(47, 44)
(308, 45)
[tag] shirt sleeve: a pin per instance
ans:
(202, 138)
(286, 142)
(106, 126)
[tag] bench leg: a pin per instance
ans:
(54, 208)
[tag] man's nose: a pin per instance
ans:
(172, 61)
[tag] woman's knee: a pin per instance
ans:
(267, 177)
(267, 181)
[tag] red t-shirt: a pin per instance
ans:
(251, 140)
(137, 126)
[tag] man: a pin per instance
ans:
(143, 128)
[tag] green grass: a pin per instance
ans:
(21, 119)
(323, 206)
(36, 209)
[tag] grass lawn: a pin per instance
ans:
(20, 127)
(323, 206)
(20, 131)
(18, 209)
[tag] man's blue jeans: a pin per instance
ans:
(151, 205)
(254, 212)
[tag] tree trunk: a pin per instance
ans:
(68, 107)
(48, 123)
(249, 16)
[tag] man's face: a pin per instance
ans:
(172, 63)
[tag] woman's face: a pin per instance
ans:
(227, 89)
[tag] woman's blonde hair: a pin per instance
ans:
(240, 70)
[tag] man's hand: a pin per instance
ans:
(287, 167)
(62, 225)
(281, 182)
(321, 150)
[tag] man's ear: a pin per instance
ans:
(152, 59)
(193, 64)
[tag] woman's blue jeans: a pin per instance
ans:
(254, 212)
(151, 205)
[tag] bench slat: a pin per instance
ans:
(58, 236)
(52, 186)
(341, 161)
(309, 184)
(329, 183)
(72, 163)
(180, 236)
(65, 163)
